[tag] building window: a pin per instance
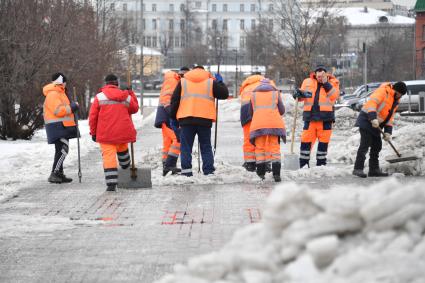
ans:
(270, 7)
(153, 7)
(270, 25)
(252, 7)
(214, 7)
(423, 56)
(252, 24)
(224, 7)
(423, 33)
(224, 24)
(144, 24)
(242, 24)
(182, 25)
(170, 42)
(183, 41)
(242, 42)
(171, 7)
(154, 41)
(148, 41)
(198, 4)
(214, 24)
(242, 8)
(124, 7)
(112, 6)
(171, 24)
(154, 26)
(177, 42)
(182, 8)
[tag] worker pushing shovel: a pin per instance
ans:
(113, 129)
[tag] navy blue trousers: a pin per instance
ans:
(187, 137)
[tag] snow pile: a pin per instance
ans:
(229, 110)
(345, 118)
(408, 139)
(352, 234)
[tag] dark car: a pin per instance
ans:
(359, 94)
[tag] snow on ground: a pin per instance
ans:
(23, 162)
(345, 234)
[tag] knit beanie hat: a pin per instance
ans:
(58, 78)
(111, 79)
(400, 87)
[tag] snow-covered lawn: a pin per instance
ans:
(345, 234)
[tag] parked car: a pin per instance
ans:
(414, 88)
(360, 93)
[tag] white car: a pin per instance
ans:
(413, 88)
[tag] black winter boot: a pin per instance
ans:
(171, 165)
(55, 178)
(249, 166)
(359, 173)
(111, 188)
(261, 170)
(377, 173)
(65, 179)
(276, 166)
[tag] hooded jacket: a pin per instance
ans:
(171, 79)
(219, 90)
(58, 117)
(110, 115)
(247, 87)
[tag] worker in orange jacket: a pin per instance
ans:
(267, 127)
(58, 114)
(192, 104)
(319, 93)
(246, 89)
(170, 134)
(377, 113)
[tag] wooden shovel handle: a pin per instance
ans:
(294, 125)
(391, 144)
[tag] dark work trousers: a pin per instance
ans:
(61, 151)
(367, 139)
(187, 137)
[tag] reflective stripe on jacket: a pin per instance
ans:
(248, 85)
(328, 94)
(171, 79)
(56, 107)
(266, 119)
(380, 103)
(197, 99)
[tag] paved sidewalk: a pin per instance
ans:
(80, 233)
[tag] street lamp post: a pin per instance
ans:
(142, 63)
(236, 72)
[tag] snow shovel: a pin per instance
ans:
(134, 178)
(398, 157)
(292, 160)
(80, 175)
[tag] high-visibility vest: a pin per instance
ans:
(326, 99)
(56, 107)
(104, 100)
(266, 112)
(171, 79)
(197, 99)
(381, 101)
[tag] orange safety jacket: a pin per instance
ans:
(328, 95)
(267, 108)
(379, 106)
(246, 89)
(197, 98)
(171, 79)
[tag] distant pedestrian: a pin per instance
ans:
(192, 104)
(267, 127)
(377, 114)
(58, 113)
(112, 127)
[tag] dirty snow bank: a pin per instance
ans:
(346, 234)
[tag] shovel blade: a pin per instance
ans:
(402, 158)
(141, 181)
(291, 162)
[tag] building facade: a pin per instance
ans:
(420, 39)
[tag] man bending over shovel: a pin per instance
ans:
(377, 113)
(112, 127)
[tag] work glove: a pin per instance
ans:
(93, 138)
(74, 107)
(301, 94)
(218, 77)
(387, 137)
(375, 123)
